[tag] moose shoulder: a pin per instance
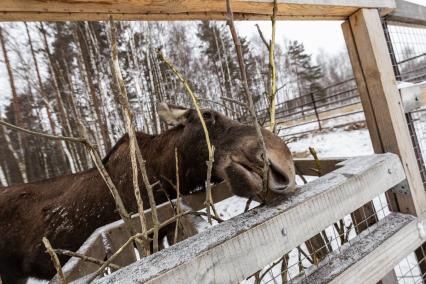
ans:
(69, 208)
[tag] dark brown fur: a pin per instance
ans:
(69, 208)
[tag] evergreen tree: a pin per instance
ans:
(307, 74)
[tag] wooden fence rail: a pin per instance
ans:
(233, 250)
(107, 239)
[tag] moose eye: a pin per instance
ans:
(207, 115)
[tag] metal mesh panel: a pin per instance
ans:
(308, 256)
(407, 45)
(407, 49)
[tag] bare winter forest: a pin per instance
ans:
(60, 73)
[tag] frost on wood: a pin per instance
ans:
(258, 234)
(350, 253)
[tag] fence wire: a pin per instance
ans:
(407, 47)
(316, 252)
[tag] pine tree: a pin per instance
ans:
(307, 74)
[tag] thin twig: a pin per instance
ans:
(237, 43)
(177, 196)
(219, 104)
(248, 204)
(85, 258)
(317, 161)
(198, 213)
(236, 102)
(272, 95)
(48, 136)
(262, 37)
(55, 261)
(210, 148)
(130, 240)
(135, 154)
(96, 160)
(94, 154)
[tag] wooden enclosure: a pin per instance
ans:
(238, 248)
(73, 10)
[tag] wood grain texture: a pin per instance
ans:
(60, 10)
(407, 12)
(233, 250)
(107, 239)
(368, 258)
(307, 167)
(381, 101)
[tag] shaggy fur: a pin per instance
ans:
(67, 209)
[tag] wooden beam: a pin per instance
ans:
(379, 94)
(264, 234)
(407, 12)
(107, 239)
(66, 10)
(413, 97)
(307, 167)
(368, 258)
(383, 107)
(116, 234)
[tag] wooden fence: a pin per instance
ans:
(232, 251)
(240, 247)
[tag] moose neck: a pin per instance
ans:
(159, 154)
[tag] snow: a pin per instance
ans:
(339, 143)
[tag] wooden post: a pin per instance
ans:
(382, 104)
(316, 111)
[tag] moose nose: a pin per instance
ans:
(278, 180)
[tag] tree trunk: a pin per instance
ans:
(66, 128)
(18, 154)
(87, 73)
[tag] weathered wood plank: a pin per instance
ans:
(382, 103)
(36, 10)
(369, 258)
(380, 97)
(413, 97)
(307, 166)
(107, 239)
(407, 12)
(211, 256)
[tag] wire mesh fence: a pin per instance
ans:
(303, 260)
(407, 47)
(336, 105)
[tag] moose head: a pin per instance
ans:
(238, 155)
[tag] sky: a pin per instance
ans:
(315, 35)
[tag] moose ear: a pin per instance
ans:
(171, 114)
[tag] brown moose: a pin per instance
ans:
(67, 209)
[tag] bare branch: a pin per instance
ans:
(262, 37)
(177, 196)
(130, 240)
(48, 136)
(273, 93)
(85, 258)
(135, 153)
(209, 199)
(237, 43)
(236, 102)
(55, 260)
(97, 161)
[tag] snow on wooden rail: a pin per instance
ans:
(371, 256)
(233, 250)
(107, 239)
